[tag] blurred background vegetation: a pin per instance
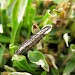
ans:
(54, 54)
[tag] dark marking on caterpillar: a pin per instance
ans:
(34, 39)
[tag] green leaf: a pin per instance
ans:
(21, 9)
(29, 16)
(38, 58)
(4, 39)
(55, 71)
(69, 67)
(46, 18)
(57, 1)
(19, 61)
(9, 69)
(17, 16)
(27, 13)
(13, 48)
(72, 48)
(10, 2)
(44, 73)
(1, 55)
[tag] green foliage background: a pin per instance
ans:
(17, 18)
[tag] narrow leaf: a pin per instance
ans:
(44, 73)
(9, 69)
(1, 55)
(69, 67)
(17, 16)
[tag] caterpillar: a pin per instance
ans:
(34, 39)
